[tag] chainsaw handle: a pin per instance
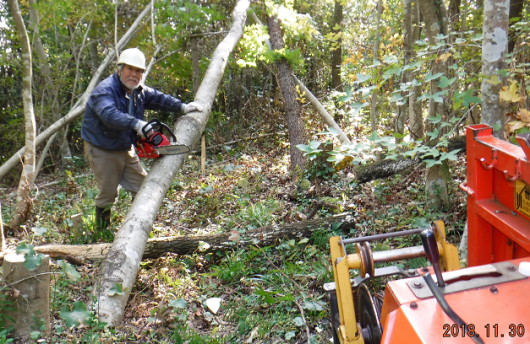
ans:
(158, 127)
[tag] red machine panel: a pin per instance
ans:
(498, 197)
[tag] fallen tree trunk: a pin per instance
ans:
(157, 247)
(122, 262)
(387, 168)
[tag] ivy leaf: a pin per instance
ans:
(420, 222)
(265, 295)
(347, 97)
(361, 78)
(437, 97)
(431, 162)
(78, 315)
(298, 321)
(445, 82)
(178, 303)
(117, 289)
(25, 249)
(430, 77)
(450, 155)
(69, 270)
(32, 262)
(40, 231)
(312, 306)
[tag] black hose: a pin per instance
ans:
(445, 306)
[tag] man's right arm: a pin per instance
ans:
(112, 115)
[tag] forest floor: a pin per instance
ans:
(266, 294)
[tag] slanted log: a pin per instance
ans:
(123, 260)
(387, 167)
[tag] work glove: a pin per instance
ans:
(186, 108)
(139, 127)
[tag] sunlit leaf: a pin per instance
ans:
(178, 303)
(430, 77)
(116, 289)
(510, 94)
(69, 270)
(76, 316)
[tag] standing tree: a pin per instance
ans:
(23, 206)
(295, 123)
(494, 46)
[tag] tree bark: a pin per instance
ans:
(123, 260)
(2, 236)
(516, 10)
(195, 59)
(295, 123)
(336, 52)
(434, 15)
(494, 46)
(373, 106)
(157, 247)
(23, 206)
(387, 167)
(79, 108)
(312, 99)
(416, 127)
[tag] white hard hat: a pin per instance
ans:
(133, 57)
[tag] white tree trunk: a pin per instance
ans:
(494, 46)
(23, 206)
(79, 108)
(122, 262)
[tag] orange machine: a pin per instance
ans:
(488, 302)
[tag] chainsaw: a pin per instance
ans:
(158, 144)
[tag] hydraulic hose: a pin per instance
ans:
(445, 306)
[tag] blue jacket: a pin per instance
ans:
(107, 123)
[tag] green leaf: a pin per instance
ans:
(298, 321)
(25, 249)
(289, 335)
(450, 155)
(445, 82)
(69, 270)
(312, 306)
(178, 303)
(265, 295)
(430, 77)
(361, 78)
(40, 231)
(431, 162)
(117, 289)
(420, 222)
(78, 315)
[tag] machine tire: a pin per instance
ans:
(335, 317)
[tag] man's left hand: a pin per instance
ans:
(191, 107)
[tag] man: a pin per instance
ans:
(114, 115)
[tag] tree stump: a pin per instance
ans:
(30, 292)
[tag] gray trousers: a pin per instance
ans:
(112, 169)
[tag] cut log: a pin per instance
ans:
(387, 168)
(157, 247)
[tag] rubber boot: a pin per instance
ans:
(102, 218)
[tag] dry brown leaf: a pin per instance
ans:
(443, 57)
(524, 115)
